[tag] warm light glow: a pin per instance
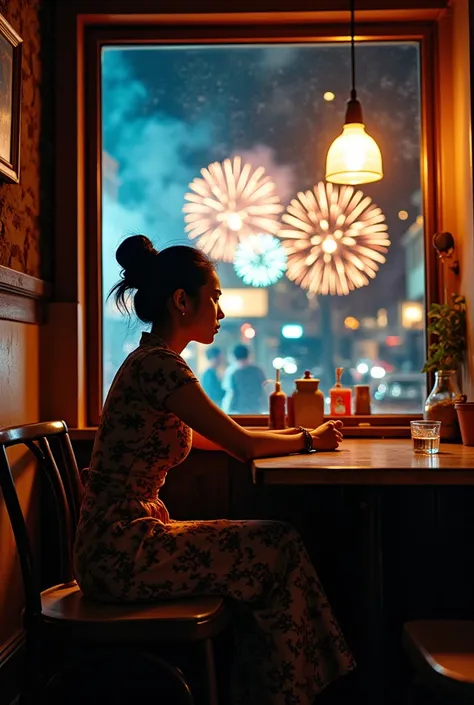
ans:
(229, 203)
(412, 314)
(249, 333)
(382, 318)
(329, 95)
(234, 221)
(243, 302)
(377, 372)
(335, 239)
(329, 245)
(234, 305)
(354, 157)
(403, 215)
(351, 323)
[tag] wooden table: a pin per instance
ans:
(370, 462)
(376, 464)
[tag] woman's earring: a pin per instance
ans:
(183, 313)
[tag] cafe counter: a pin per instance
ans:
(370, 462)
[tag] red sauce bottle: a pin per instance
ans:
(341, 397)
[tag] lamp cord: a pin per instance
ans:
(353, 90)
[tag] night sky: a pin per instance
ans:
(169, 111)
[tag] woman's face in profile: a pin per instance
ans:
(208, 313)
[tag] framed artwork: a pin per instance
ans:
(10, 102)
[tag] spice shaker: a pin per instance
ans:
(362, 400)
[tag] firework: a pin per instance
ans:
(260, 260)
(335, 239)
(230, 203)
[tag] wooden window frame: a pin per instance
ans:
(236, 29)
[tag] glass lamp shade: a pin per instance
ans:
(354, 157)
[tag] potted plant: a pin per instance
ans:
(465, 412)
(447, 322)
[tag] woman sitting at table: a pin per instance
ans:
(288, 644)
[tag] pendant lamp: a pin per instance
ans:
(354, 157)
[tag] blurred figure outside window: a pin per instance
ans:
(211, 380)
(243, 385)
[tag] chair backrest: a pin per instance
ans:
(50, 444)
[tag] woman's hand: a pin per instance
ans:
(328, 436)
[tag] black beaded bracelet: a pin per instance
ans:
(308, 440)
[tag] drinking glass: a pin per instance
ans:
(425, 436)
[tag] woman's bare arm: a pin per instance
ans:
(193, 406)
(202, 443)
(284, 431)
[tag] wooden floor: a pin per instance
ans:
(127, 682)
(90, 692)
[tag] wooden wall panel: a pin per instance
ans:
(26, 217)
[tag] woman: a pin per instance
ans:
(288, 644)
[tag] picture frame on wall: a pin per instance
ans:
(10, 102)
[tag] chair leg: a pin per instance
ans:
(113, 670)
(32, 672)
(211, 672)
(184, 694)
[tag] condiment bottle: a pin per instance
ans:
(340, 397)
(308, 402)
(362, 400)
(277, 405)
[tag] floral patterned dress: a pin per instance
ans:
(288, 644)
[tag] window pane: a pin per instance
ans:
(170, 111)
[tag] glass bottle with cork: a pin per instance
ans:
(277, 408)
(340, 397)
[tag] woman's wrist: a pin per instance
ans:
(307, 439)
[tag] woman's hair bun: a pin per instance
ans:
(136, 256)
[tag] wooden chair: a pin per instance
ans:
(442, 653)
(61, 614)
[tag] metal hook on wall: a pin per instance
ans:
(444, 245)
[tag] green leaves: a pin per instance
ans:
(448, 323)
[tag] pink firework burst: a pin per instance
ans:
(229, 203)
(335, 239)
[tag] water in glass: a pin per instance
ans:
(426, 435)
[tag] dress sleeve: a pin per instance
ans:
(161, 373)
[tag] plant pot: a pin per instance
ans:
(465, 412)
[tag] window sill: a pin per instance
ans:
(376, 426)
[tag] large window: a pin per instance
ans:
(169, 111)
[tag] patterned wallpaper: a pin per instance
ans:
(22, 217)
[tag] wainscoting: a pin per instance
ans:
(22, 297)
(11, 665)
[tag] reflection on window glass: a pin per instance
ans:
(169, 112)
